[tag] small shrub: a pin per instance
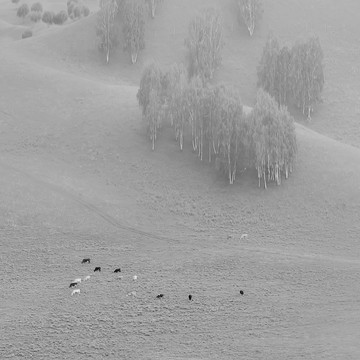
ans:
(48, 17)
(37, 7)
(15, 1)
(60, 17)
(26, 34)
(35, 16)
(23, 10)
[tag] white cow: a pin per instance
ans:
(86, 277)
(78, 280)
(77, 291)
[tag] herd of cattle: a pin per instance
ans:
(77, 281)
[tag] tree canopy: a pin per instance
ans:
(204, 44)
(105, 28)
(134, 28)
(219, 127)
(293, 76)
(250, 12)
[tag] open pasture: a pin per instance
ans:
(78, 180)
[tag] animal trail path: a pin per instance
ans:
(85, 204)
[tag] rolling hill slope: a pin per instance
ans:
(78, 179)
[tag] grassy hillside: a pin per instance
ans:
(74, 46)
(78, 179)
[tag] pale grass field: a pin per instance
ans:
(78, 180)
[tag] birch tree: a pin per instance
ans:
(151, 99)
(282, 77)
(267, 68)
(193, 97)
(178, 109)
(307, 74)
(134, 28)
(204, 43)
(153, 4)
(105, 29)
(152, 79)
(153, 115)
(251, 12)
(230, 121)
(274, 139)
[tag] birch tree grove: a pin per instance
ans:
(219, 127)
(274, 139)
(293, 76)
(204, 44)
(105, 29)
(251, 12)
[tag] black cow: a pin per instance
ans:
(160, 296)
(241, 292)
(86, 260)
(117, 270)
(190, 297)
(73, 284)
(98, 268)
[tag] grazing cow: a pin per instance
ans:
(86, 260)
(243, 236)
(133, 293)
(241, 292)
(190, 297)
(73, 284)
(160, 296)
(86, 277)
(134, 277)
(77, 291)
(78, 280)
(117, 270)
(98, 268)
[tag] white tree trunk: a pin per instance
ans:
(153, 8)
(229, 165)
(134, 57)
(264, 175)
(107, 54)
(209, 151)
